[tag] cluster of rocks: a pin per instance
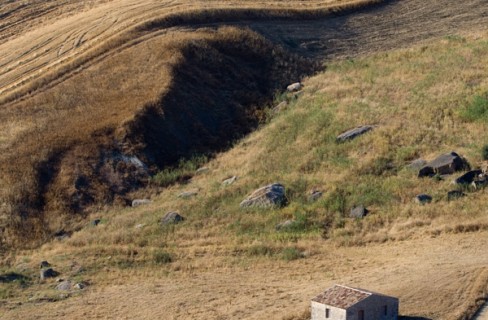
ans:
(444, 166)
(63, 285)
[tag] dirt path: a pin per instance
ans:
(438, 268)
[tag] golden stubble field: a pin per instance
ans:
(435, 277)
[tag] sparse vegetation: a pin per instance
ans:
(181, 174)
(57, 160)
(477, 109)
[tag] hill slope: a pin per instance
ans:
(227, 262)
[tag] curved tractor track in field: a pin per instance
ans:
(72, 103)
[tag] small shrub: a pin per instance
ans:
(183, 172)
(162, 257)
(477, 109)
(484, 152)
(260, 250)
(289, 254)
(337, 201)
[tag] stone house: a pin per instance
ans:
(345, 303)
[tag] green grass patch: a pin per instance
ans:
(477, 110)
(181, 173)
(291, 253)
(162, 257)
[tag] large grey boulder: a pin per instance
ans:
(444, 164)
(140, 202)
(265, 197)
(353, 133)
(172, 218)
(358, 212)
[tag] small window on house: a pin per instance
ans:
(361, 315)
(327, 312)
(385, 310)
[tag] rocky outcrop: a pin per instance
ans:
(268, 196)
(448, 163)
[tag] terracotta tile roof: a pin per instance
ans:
(342, 297)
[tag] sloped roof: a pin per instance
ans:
(342, 297)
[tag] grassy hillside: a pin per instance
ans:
(424, 101)
(74, 109)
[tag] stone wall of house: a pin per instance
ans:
(374, 308)
(318, 312)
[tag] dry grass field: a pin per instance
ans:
(165, 81)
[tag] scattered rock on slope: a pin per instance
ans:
(480, 181)
(140, 202)
(315, 195)
(455, 194)
(202, 170)
(353, 133)
(81, 285)
(48, 273)
(468, 177)
(444, 164)
(188, 194)
(265, 197)
(294, 87)
(229, 181)
(64, 286)
(358, 212)
(172, 218)
(423, 199)
(285, 225)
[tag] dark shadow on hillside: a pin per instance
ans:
(217, 96)
(349, 33)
